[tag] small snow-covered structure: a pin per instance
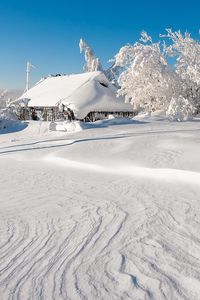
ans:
(87, 94)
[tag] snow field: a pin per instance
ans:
(104, 213)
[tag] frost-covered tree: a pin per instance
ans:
(146, 80)
(180, 109)
(8, 118)
(92, 62)
(7, 95)
(186, 50)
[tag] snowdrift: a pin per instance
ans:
(76, 126)
(67, 126)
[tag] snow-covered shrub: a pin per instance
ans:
(8, 118)
(180, 109)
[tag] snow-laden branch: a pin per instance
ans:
(92, 62)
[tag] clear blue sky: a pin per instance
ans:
(47, 32)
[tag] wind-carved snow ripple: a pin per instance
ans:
(49, 257)
(132, 242)
(162, 253)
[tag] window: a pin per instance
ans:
(104, 84)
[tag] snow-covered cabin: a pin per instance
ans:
(83, 94)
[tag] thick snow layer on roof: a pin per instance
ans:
(82, 93)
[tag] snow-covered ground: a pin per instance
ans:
(110, 212)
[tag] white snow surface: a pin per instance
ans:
(67, 126)
(110, 212)
(75, 126)
(81, 92)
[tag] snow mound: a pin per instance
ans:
(158, 115)
(76, 126)
(111, 120)
(67, 126)
(8, 119)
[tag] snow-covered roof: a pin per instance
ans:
(81, 92)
